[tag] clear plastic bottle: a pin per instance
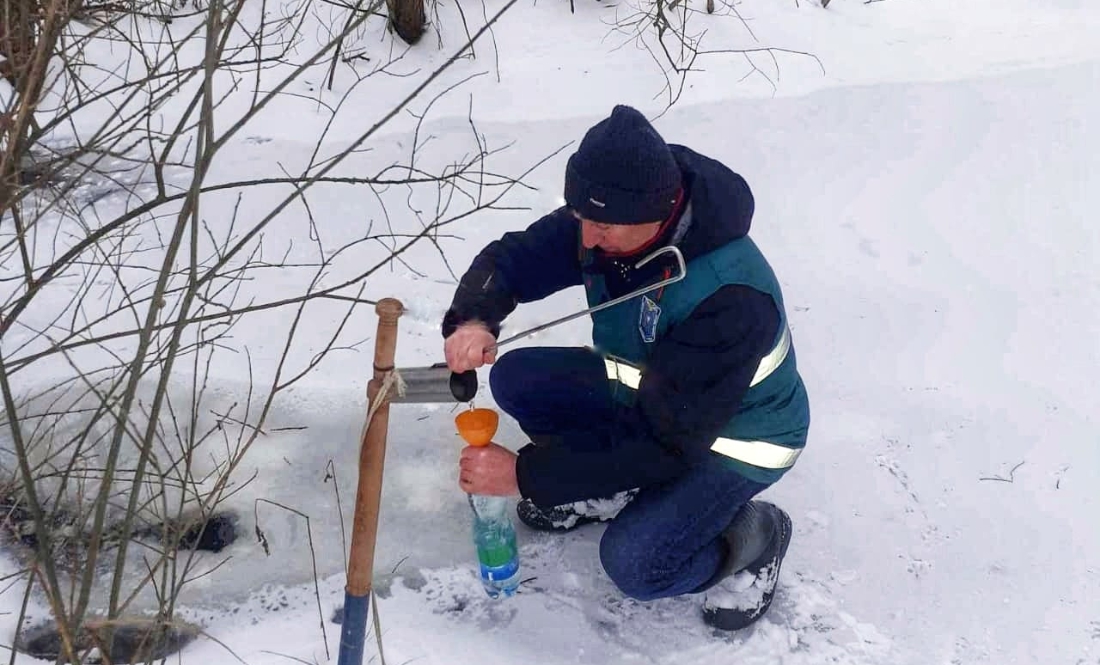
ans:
(495, 540)
(494, 533)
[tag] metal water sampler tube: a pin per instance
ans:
(436, 384)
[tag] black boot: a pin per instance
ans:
(758, 539)
(569, 516)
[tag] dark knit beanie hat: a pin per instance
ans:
(623, 172)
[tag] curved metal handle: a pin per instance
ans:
(611, 303)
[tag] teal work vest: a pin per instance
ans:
(763, 440)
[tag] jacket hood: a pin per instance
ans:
(720, 204)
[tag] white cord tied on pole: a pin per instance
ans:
(393, 381)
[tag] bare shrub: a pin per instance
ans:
(132, 249)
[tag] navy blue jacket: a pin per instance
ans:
(705, 364)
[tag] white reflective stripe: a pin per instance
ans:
(757, 453)
(773, 360)
(625, 373)
(631, 376)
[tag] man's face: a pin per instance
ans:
(616, 238)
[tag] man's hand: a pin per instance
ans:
(489, 470)
(465, 348)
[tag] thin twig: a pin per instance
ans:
(312, 555)
(1011, 475)
(330, 473)
(288, 657)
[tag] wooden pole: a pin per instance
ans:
(368, 496)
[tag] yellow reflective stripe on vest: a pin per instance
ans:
(757, 453)
(773, 360)
(625, 373)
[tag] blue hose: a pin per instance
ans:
(353, 630)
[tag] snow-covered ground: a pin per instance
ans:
(926, 189)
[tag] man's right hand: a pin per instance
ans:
(465, 348)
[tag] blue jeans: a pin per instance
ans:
(667, 540)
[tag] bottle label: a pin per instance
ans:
(501, 572)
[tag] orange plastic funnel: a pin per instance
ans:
(477, 426)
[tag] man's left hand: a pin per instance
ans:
(489, 470)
